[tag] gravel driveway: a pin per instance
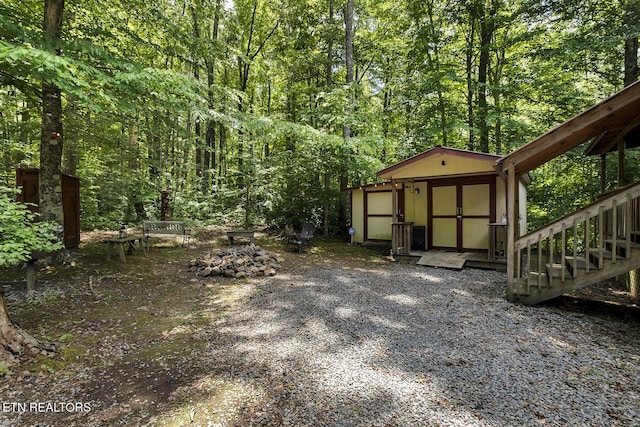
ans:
(402, 345)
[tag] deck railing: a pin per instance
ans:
(401, 233)
(580, 240)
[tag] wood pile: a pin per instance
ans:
(238, 262)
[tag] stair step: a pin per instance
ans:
(581, 265)
(594, 256)
(621, 246)
(555, 271)
(532, 279)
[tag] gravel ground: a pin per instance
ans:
(403, 345)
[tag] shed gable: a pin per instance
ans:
(440, 161)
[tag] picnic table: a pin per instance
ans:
(120, 242)
(231, 234)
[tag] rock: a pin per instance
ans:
(238, 262)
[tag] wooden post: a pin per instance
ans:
(394, 217)
(603, 173)
(31, 275)
(621, 146)
(512, 226)
(394, 201)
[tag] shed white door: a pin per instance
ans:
(444, 211)
(460, 212)
(475, 216)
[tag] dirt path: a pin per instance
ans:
(136, 339)
(132, 336)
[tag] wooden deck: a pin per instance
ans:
(454, 260)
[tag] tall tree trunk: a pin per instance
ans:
(70, 150)
(486, 36)
(196, 76)
(329, 69)
(51, 131)
(631, 17)
(222, 136)
(346, 129)
(630, 61)
(386, 100)
(348, 23)
(434, 61)
(329, 83)
(210, 149)
(244, 66)
(470, 87)
(495, 81)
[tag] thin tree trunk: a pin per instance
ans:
(346, 129)
(470, 88)
(210, 150)
(329, 82)
(434, 61)
(495, 79)
(329, 69)
(486, 33)
(630, 61)
(196, 76)
(348, 23)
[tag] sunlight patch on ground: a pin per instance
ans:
(211, 401)
(345, 312)
(428, 277)
(403, 299)
(177, 330)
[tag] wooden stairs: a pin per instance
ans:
(593, 244)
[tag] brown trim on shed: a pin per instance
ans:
(459, 183)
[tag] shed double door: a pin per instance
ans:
(460, 211)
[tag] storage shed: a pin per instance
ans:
(443, 198)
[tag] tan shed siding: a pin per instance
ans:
(453, 165)
(420, 204)
(415, 203)
(501, 203)
(408, 203)
(523, 208)
(501, 199)
(357, 214)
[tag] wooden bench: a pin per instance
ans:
(249, 234)
(177, 228)
(119, 243)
